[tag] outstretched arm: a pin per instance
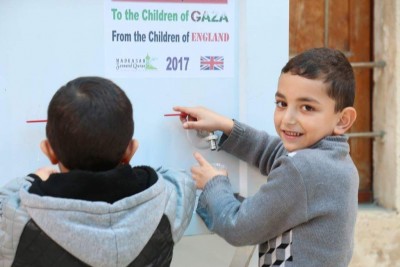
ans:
(201, 118)
(181, 199)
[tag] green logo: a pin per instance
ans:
(148, 63)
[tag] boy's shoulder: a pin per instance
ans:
(328, 158)
(330, 146)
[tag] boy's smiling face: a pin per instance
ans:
(304, 112)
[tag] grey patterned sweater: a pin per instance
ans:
(304, 215)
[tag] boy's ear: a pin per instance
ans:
(48, 151)
(346, 120)
(130, 151)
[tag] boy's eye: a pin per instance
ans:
(307, 108)
(280, 104)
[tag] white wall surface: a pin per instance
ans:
(44, 44)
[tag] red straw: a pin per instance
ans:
(175, 114)
(34, 121)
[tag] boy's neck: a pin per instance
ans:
(62, 168)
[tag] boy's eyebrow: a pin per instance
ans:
(277, 94)
(308, 99)
(301, 99)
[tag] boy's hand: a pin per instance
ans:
(200, 118)
(45, 172)
(204, 172)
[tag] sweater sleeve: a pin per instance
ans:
(12, 218)
(279, 205)
(181, 191)
(257, 148)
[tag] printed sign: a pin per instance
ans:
(167, 38)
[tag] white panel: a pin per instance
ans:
(44, 44)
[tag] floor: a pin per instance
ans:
(202, 251)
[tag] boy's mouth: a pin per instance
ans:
(293, 134)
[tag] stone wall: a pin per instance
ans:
(386, 104)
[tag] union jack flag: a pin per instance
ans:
(211, 63)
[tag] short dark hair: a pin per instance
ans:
(332, 67)
(90, 124)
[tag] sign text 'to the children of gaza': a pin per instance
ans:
(161, 15)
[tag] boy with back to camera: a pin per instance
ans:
(305, 214)
(98, 210)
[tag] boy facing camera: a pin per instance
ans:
(305, 214)
(98, 210)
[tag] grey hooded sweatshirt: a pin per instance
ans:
(98, 233)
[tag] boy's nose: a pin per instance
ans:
(289, 117)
